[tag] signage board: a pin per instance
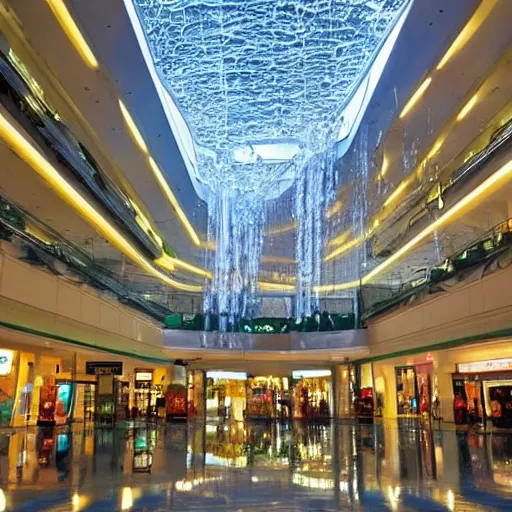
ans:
(103, 368)
(493, 365)
(310, 374)
(176, 403)
(6, 357)
(144, 376)
(220, 375)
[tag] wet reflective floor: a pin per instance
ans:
(255, 466)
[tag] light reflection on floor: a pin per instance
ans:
(292, 467)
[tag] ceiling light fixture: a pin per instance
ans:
(166, 189)
(474, 198)
(70, 28)
(336, 287)
(467, 108)
(20, 145)
(416, 96)
(132, 127)
(479, 16)
(278, 230)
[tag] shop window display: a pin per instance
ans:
(312, 394)
(407, 393)
(267, 397)
(499, 400)
(226, 395)
(7, 385)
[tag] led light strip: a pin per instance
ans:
(76, 38)
(486, 188)
(70, 28)
(19, 144)
(479, 16)
(493, 183)
(164, 185)
(157, 173)
(171, 263)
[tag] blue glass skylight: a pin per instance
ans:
(250, 73)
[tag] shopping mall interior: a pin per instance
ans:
(255, 253)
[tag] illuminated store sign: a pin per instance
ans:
(226, 375)
(103, 368)
(485, 366)
(144, 376)
(310, 374)
(6, 357)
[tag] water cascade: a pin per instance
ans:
(255, 92)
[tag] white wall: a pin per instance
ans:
(479, 307)
(34, 297)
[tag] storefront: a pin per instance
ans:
(195, 394)
(268, 397)
(8, 383)
(226, 396)
(414, 385)
(312, 394)
(483, 390)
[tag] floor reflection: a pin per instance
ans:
(289, 466)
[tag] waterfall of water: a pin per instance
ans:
(314, 191)
(237, 223)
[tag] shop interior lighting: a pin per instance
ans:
(467, 108)
(416, 97)
(166, 189)
(479, 16)
(17, 142)
(132, 127)
(70, 28)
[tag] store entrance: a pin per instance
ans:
(268, 398)
(226, 397)
(312, 390)
(414, 389)
(478, 398)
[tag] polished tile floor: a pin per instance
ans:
(255, 467)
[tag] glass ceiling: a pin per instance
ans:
(259, 80)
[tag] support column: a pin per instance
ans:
(341, 383)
